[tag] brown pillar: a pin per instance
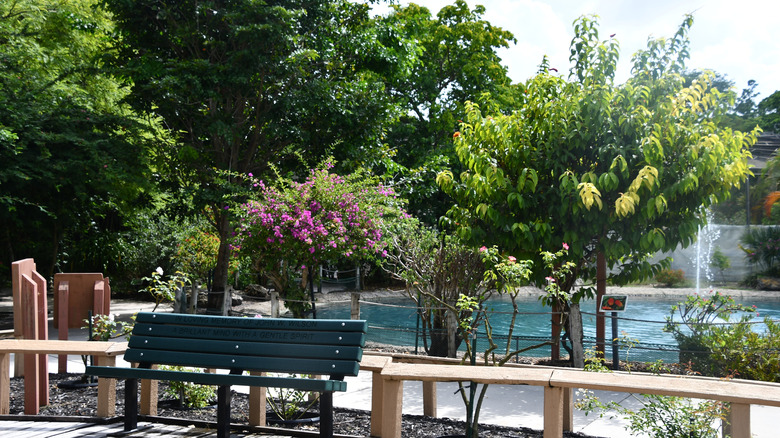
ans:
(601, 289)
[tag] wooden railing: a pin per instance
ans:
(390, 371)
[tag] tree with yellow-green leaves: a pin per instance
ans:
(616, 172)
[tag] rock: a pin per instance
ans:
(256, 290)
(769, 283)
(236, 299)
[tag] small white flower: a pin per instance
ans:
(159, 270)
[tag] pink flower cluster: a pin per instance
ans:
(327, 217)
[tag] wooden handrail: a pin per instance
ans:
(556, 383)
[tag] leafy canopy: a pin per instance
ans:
(625, 170)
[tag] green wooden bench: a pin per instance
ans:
(331, 348)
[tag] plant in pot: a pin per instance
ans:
(291, 406)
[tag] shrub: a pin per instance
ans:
(189, 394)
(659, 416)
(720, 261)
(670, 277)
(762, 247)
(325, 218)
(713, 348)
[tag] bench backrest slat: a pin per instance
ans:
(300, 346)
(225, 361)
(282, 336)
(243, 348)
(256, 323)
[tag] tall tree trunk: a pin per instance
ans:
(574, 327)
(555, 334)
(223, 254)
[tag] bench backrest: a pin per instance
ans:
(301, 346)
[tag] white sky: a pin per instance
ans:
(738, 39)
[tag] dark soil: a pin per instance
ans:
(83, 402)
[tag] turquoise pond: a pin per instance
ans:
(394, 320)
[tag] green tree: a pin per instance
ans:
(242, 85)
(615, 171)
(447, 59)
(769, 113)
(286, 230)
(71, 158)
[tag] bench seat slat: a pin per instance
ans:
(250, 334)
(302, 384)
(256, 323)
(254, 363)
(248, 348)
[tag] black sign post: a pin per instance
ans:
(614, 304)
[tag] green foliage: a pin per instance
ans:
(622, 170)
(561, 271)
(442, 60)
(747, 353)
(196, 252)
(707, 336)
(72, 158)
(660, 416)
(720, 261)
(670, 277)
(161, 289)
(762, 247)
(105, 327)
(288, 228)
(439, 271)
(189, 394)
(246, 83)
(290, 404)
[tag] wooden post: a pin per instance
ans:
(31, 364)
(274, 304)
(392, 407)
(739, 420)
(601, 289)
(5, 384)
(193, 304)
(355, 310)
(257, 403)
(377, 394)
(62, 323)
(553, 412)
(149, 392)
(106, 389)
(26, 266)
(568, 409)
(42, 332)
(429, 398)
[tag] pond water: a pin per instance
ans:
(394, 320)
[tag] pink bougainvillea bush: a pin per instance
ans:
(327, 217)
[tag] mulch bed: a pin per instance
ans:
(83, 402)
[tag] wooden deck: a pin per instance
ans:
(75, 429)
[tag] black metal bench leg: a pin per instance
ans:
(131, 404)
(223, 411)
(326, 415)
